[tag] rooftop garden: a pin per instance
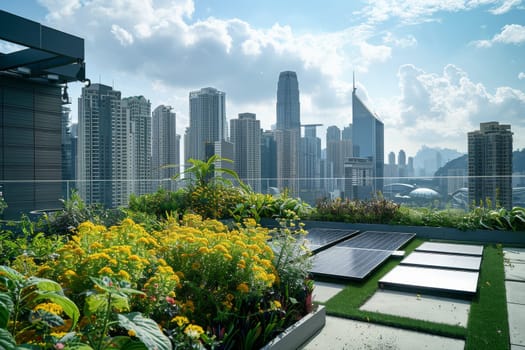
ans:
(193, 269)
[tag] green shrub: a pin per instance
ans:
(377, 210)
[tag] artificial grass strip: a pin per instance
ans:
(347, 302)
(488, 326)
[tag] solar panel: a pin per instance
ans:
(422, 279)
(447, 261)
(379, 240)
(348, 263)
(319, 239)
(451, 248)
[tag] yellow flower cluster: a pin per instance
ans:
(50, 307)
(193, 331)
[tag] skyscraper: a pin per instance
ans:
(137, 111)
(288, 105)
(368, 139)
(166, 147)
(102, 147)
(490, 164)
(207, 122)
(310, 164)
(402, 168)
(268, 161)
(245, 133)
(288, 131)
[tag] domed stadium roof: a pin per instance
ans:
(424, 193)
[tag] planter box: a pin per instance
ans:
(428, 232)
(300, 332)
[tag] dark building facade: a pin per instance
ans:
(490, 165)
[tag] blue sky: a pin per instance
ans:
(431, 70)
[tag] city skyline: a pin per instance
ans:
(432, 71)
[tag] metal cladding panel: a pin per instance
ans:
(446, 261)
(423, 279)
(450, 248)
(319, 239)
(347, 263)
(379, 240)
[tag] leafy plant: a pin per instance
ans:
(31, 308)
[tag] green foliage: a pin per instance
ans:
(256, 206)
(27, 240)
(26, 304)
(160, 203)
(75, 211)
(376, 211)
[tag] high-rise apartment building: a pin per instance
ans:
(310, 164)
(137, 111)
(245, 134)
(288, 131)
(165, 160)
(268, 161)
(207, 122)
(490, 164)
(368, 139)
(103, 164)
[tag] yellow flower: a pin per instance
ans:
(49, 307)
(193, 331)
(196, 266)
(105, 271)
(204, 250)
(132, 333)
(243, 287)
(228, 257)
(180, 320)
(124, 275)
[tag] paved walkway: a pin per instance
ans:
(340, 333)
(515, 286)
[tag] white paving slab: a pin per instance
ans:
(451, 248)
(516, 347)
(451, 261)
(515, 270)
(515, 292)
(324, 291)
(340, 333)
(419, 307)
(422, 278)
(516, 323)
(517, 254)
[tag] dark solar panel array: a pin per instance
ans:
(319, 239)
(341, 262)
(378, 240)
(357, 257)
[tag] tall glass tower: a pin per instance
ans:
(288, 132)
(288, 106)
(207, 121)
(368, 139)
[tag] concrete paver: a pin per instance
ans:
(324, 291)
(517, 254)
(515, 292)
(516, 323)
(516, 347)
(419, 307)
(339, 334)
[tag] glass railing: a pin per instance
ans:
(24, 196)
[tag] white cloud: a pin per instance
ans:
(437, 109)
(505, 6)
(122, 35)
(407, 41)
(60, 8)
(521, 75)
(510, 34)
(411, 12)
